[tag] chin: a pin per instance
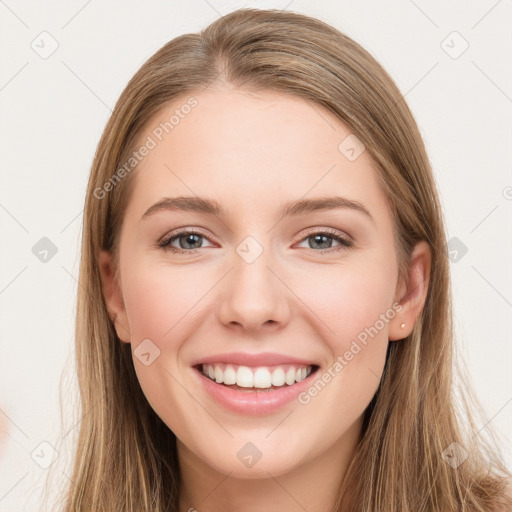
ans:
(272, 467)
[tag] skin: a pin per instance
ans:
(252, 153)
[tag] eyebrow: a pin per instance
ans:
(292, 208)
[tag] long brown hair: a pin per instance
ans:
(126, 457)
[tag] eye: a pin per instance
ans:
(185, 239)
(320, 239)
(190, 241)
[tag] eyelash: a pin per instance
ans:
(344, 242)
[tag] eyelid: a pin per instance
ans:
(326, 230)
(184, 230)
(312, 230)
(164, 242)
(345, 241)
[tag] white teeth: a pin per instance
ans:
(290, 376)
(229, 375)
(278, 377)
(244, 377)
(261, 377)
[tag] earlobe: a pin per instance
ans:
(413, 298)
(113, 296)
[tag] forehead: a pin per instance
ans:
(245, 148)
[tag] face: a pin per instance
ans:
(311, 292)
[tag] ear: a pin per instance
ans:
(113, 296)
(411, 292)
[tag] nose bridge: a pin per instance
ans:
(253, 295)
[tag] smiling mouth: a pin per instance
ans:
(255, 379)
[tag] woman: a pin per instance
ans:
(264, 321)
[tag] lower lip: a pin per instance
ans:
(253, 402)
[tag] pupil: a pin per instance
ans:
(318, 239)
(191, 239)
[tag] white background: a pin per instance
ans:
(53, 112)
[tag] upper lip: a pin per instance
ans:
(253, 360)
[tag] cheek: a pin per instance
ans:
(349, 299)
(358, 314)
(158, 299)
(353, 307)
(160, 303)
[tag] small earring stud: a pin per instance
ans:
(402, 325)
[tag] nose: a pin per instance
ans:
(253, 296)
